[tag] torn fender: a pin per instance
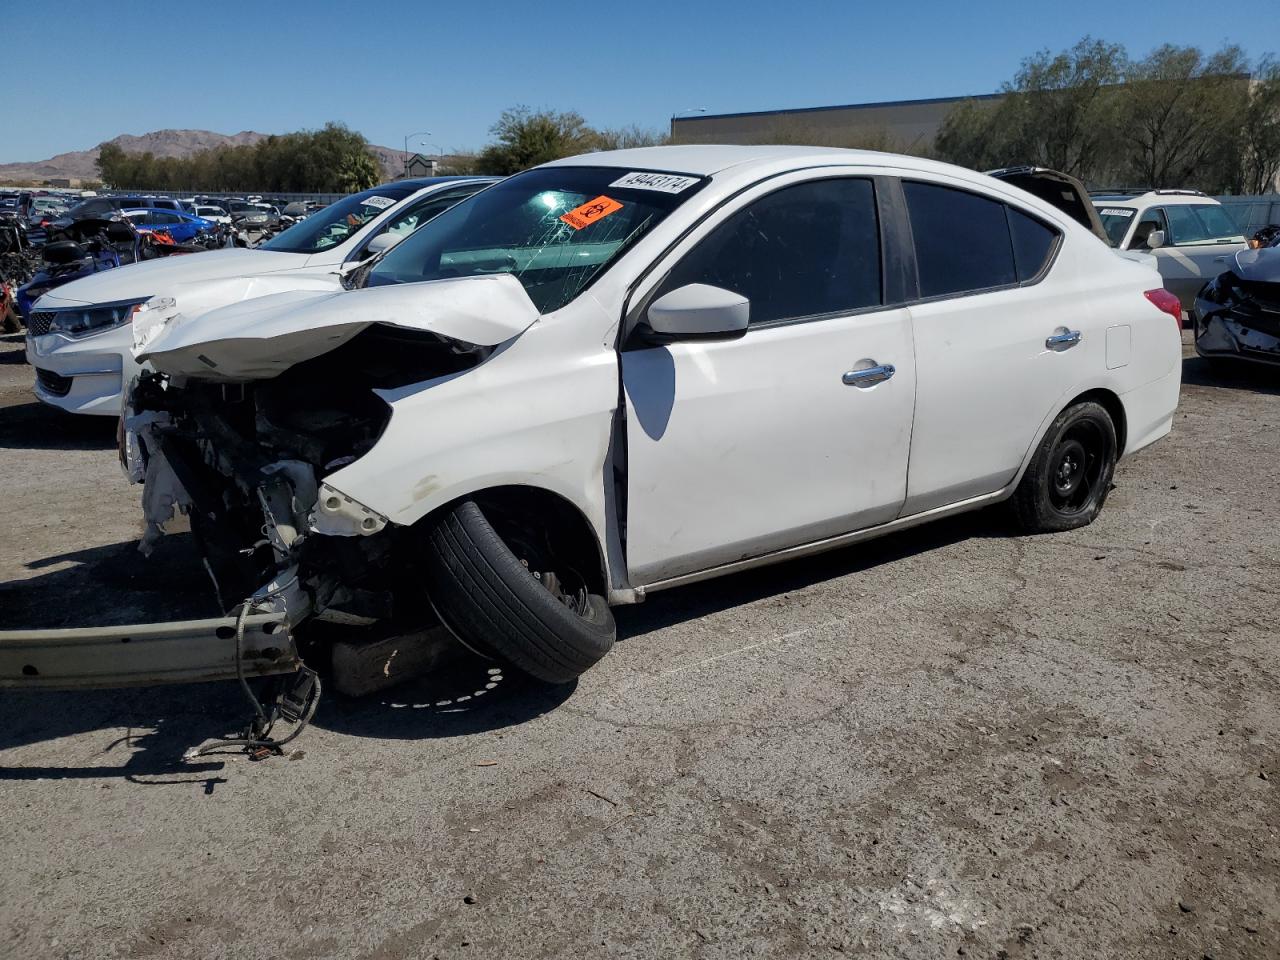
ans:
(182, 651)
(260, 338)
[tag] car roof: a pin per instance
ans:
(1162, 197)
(421, 182)
(709, 159)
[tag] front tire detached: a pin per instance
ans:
(494, 603)
(1070, 475)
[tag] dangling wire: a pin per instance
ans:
(259, 733)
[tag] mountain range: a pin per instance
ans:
(79, 164)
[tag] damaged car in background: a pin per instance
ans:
(79, 336)
(619, 373)
(1237, 315)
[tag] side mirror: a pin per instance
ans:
(1155, 239)
(382, 243)
(697, 311)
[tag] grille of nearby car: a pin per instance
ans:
(54, 383)
(40, 322)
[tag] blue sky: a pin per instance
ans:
(79, 73)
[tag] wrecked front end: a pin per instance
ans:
(248, 412)
(247, 460)
(1238, 313)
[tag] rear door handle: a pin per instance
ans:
(1062, 339)
(869, 376)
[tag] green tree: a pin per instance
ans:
(332, 159)
(525, 139)
(111, 163)
(626, 138)
(975, 134)
(1260, 133)
(1058, 111)
(1181, 114)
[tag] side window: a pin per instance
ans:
(416, 214)
(1184, 226)
(1202, 223)
(802, 251)
(1033, 244)
(1152, 220)
(962, 240)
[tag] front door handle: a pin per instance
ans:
(869, 376)
(1062, 339)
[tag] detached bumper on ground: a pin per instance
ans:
(182, 651)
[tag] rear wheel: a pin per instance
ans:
(511, 598)
(1070, 474)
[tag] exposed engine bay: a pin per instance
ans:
(247, 462)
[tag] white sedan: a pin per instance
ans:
(79, 338)
(621, 372)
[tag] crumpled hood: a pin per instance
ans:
(1259, 266)
(260, 338)
(157, 277)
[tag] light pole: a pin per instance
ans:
(675, 116)
(420, 133)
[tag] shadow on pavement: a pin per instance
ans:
(665, 609)
(112, 584)
(37, 426)
(1231, 375)
(466, 697)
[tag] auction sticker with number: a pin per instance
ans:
(590, 212)
(380, 202)
(662, 182)
(1117, 212)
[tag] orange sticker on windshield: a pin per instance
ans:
(590, 212)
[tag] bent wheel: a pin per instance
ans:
(513, 601)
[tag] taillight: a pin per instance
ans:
(1166, 301)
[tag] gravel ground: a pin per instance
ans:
(949, 742)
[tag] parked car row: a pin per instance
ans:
(89, 372)
(504, 406)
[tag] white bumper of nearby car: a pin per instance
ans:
(83, 376)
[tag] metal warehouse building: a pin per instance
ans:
(897, 124)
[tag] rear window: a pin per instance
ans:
(962, 240)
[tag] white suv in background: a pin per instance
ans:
(1192, 236)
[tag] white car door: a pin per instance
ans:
(1000, 334)
(796, 431)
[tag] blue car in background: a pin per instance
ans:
(83, 249)
(180, 226)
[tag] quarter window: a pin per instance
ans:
(1033, 244)
(802, 251)
(961, 240)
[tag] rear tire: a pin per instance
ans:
(1070, 475)
(546, 625)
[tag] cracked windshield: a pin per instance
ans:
(555, 230)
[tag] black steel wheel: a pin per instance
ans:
(1070, 475)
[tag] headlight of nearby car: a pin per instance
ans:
(81, 322)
